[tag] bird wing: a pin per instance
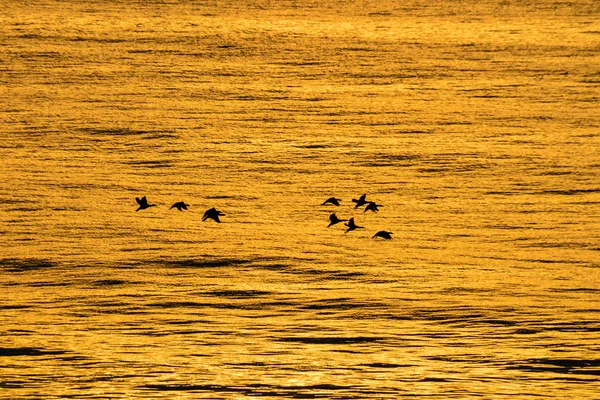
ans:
(212, 213)
(383, 234)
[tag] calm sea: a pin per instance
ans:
(474, 124)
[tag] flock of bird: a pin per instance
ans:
(361, 201)
(214, 214)
(211, 213)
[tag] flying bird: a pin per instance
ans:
(372, 206)
(352, 226)
(362, 200)
(212, 213)
(180, 206)
(383, 234)
(335, 220)
(332, 200)
(143, 203)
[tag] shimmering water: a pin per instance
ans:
(474, 124)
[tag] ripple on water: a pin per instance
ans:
(569, 366)
(209, 263)
(258, 390)
(28, 351)
(334, 340)
(25, 264)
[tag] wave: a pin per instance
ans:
(25, 264)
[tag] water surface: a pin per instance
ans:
(475, 125)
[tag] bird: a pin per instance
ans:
(383, 234)
(143, 203)
(362, 200)
(352, 226)
(180, 205)
(212, 213)
(372, 206)
(332, 200)
(334, 220)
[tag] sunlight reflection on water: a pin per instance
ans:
(475, 128)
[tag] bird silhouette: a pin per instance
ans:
(362, 200)
(332, 200)
(143, 203)
(383, 234)
(212, 213)
(372, 206)
(352, 226)
(180, 205)
(335, 220)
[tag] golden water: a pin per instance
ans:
(475, 124)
